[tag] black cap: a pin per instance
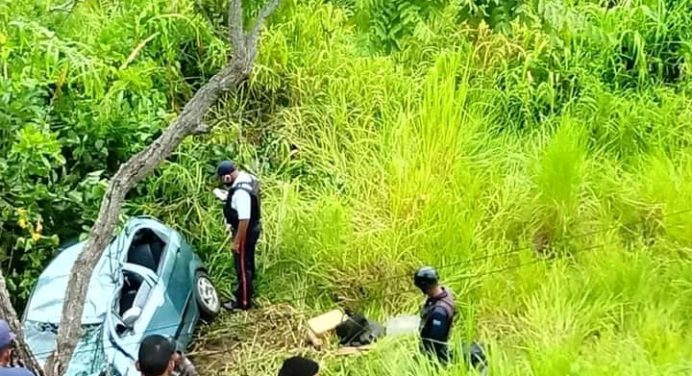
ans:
(155, 353)
(299, 366)
(425, 278)
(225, 168)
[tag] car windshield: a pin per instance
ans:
(88, 357)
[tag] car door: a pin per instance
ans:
(176, 273)
(185, 279)
(171, 295)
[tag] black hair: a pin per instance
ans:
(299, 366)
(155, 353)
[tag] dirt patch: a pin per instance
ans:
(251, 343)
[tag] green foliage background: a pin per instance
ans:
(388, 134)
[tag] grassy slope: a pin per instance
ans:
(420, 158)
(463, 144)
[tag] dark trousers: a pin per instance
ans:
(472, 353)
(245, 269)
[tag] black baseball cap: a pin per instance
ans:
(225, 168)
(425, 277)
(155, 353)
(299, 366)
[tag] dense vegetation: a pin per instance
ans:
(388, 134)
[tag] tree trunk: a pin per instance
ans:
(8, 313)
(190, 121)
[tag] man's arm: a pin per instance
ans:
(243, 206)
(183, 365)
(239, 242)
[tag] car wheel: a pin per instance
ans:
(207, 297)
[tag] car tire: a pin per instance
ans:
(206, 297)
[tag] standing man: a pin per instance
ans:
(7, 366)
(242, 211)
(437, 317)
(437, 314)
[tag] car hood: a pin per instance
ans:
(46, 302)
(42, 314)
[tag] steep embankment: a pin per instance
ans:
(543, 165)
(545, 172)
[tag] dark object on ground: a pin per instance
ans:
(358, 331)
(472, 354)
(475, 356)
(299, 366)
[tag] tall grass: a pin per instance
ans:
(460, 145)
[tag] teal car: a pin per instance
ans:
(149, 281)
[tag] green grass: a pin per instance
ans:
(401, 164)
(562, 145)
(437, 166)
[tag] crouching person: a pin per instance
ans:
(158, 356)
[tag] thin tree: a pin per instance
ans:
(189, 122)
(10, 315)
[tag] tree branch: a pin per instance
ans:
(251, 41)
(10, 315)
(235, 20)
(189, 121)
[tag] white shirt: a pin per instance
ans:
(241, 200)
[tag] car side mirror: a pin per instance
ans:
(130, 316)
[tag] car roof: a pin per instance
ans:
(48, 296)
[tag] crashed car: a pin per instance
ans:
(148, 281)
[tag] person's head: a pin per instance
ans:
(426, 279)
(156, 356)
(227, 172)
(299, 366)
(7, 338)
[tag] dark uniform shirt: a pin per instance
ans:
(437, 317)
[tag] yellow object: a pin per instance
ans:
(350, 350)
(326, 322)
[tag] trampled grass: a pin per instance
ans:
(545, 171)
